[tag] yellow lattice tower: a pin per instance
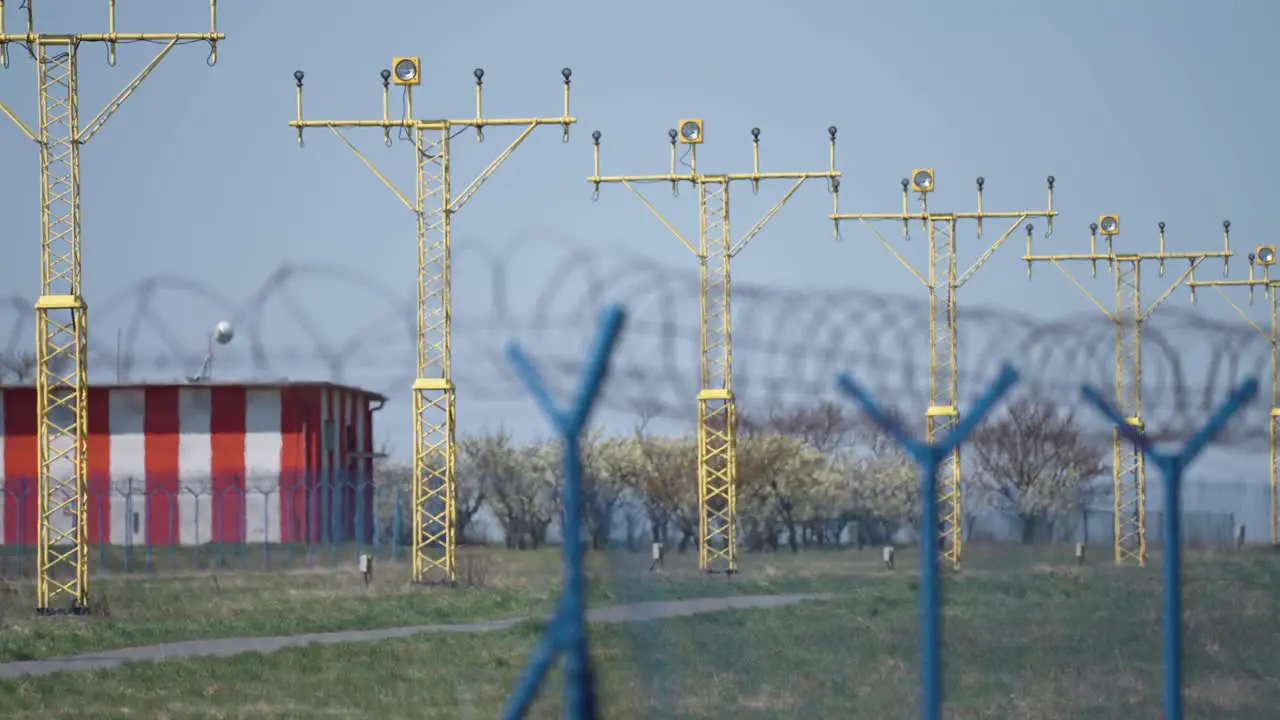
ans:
(1264, 256)
(717, 414)
(434, 205)
(942, 282)
(61, 311)
(1128, 468)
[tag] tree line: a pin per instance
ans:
(806, 477)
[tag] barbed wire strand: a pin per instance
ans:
(787, 342)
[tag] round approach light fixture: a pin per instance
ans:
(1266, 254)
(1109, 224)
(690, 132)
(407, 71)
(922, 180)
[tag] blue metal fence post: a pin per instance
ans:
(266, 526)
(376, 522)
(129, 531)
(147, 498)
(104, 530)
(294, 524)
(218, 509)
(175, 507)
(195, 508)
(567, 632)
(1171, 467)
(928, 456)
(6, 500)
(361, 543)
(24, 486)
(335, 488)
(242, 524)
(398, 525)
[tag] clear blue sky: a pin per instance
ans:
(1153, 110)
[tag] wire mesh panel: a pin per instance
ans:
(822, 617)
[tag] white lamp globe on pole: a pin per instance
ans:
(222, 334)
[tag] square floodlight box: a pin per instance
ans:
(1266, 255)
(406, 71)
(1109, 224)
(922, 180)
(691, 131)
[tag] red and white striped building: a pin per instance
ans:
(198, 463)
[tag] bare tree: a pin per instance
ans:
(1035, 460)
(776, 476)
(392, 505)
(824, 427)
(470, 497)
(537, 494)
(883, 483)
(649, 488)
(875, 442)
(824, 430)
(396, 479)
(521, 486)
(885, 495)
(495, 464)
(668, 484)
(18, 367)
(610, 467)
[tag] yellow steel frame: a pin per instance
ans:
(717, 410)
(61, 311)
(434, 205)
(942, 282)
(1129, 476)
(1272, 289)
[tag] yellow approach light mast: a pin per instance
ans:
(61, 312)
(1264, 256)
(1128, 466)
(942, 281)
(717, 414)
(433, 205)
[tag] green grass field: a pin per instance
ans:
(144, 610)
(1027, 636)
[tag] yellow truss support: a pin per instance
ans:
(1271, 287)
(717, 411)
(62, 581)
(1129, 477)
(942, 281)
(434, 205)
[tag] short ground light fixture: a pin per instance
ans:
(657, 557)
(366, 568)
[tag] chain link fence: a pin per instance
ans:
(254, 528)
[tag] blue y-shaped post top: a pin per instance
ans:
(567, 632)
(929, 456)
(1171, 466)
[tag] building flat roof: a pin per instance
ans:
(249, 384)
